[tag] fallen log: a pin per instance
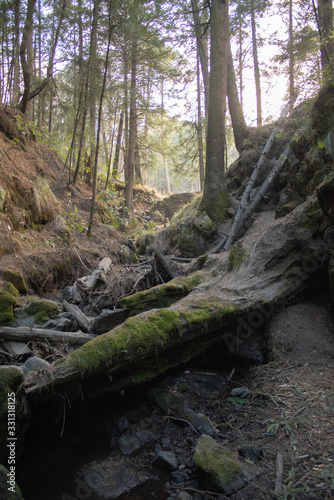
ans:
(79, 316)
(228, 240)
(226, 311)
(26, 334)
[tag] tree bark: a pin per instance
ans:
(27, 334)
(202, 51)
(240, 129)
(26, 55)
(256, 68)
(214, 185)
(115, 167)
(129, 179)
(325, 10)
(200, 130)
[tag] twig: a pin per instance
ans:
(183, 420)
(279, 474)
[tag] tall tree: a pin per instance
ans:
(325, 26)
(256, 65)
(26, 54)
(214, 194)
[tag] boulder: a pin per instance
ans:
(218, 470)
(166, 460)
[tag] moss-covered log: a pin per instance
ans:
(283, 259)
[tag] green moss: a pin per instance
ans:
(10, 288)
(236, 256)
(10, 379)
(204, 311)
(217, 463)
(216, 207)
(144, 335)
(7, 304)
(135, 337)
(42, 310)
(161, 295)
(16, 279)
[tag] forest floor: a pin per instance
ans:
(291, 410)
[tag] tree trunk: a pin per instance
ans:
(291, 52)
(28, 334)
(256, 68)
(214, 196)
(16, 79)
(199, 129)
(202, 51)
(240, 130)
(92, 80)
(325, 9)
(26, 54)
(129, 179)
(115, 167)
(96, 156)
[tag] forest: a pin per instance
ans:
(121, 89)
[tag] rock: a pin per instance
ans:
(108, 319)
(16, 349)
(218, 470)
(16, 279)
(145, 436)
(7, 481)
(241, 392)
(108, 479)
(34, 364)
(7, 304)
(65, 322)
(122, 424)
(166, 460)
(128, 443)
(42, 310)
(251, 453)
(184, 495)
(180, 477)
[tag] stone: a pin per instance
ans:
(34, 364)
(108, 479)
(145, 436)
(16, 349)
(180, 477)
(184, 495)
(251, 453)
(122, 424)
(218, 470)
(65, 322)
(241, 392)
(128, 443)
(5, 493)
(166, 460)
